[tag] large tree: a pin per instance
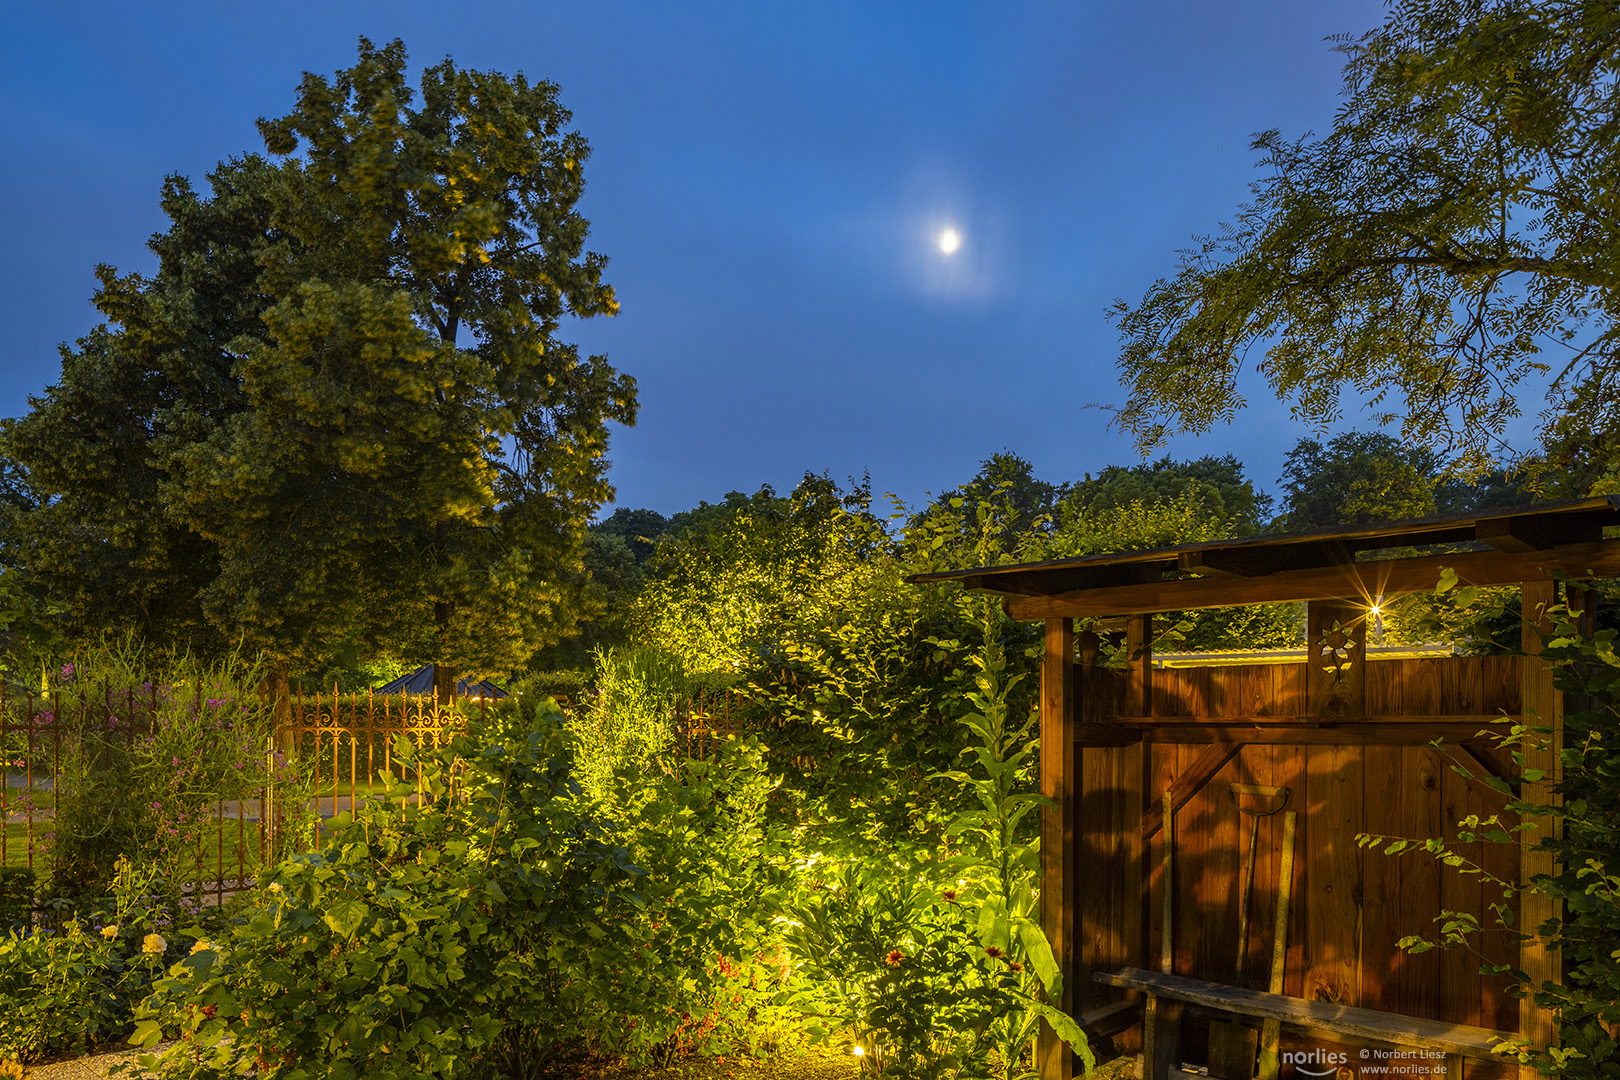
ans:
(1456, 234)
(406, 456)
(92, 540)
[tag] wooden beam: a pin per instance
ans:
(1520, 534)
(1257, 562)
(1477, 723)
(1543, 707)
(1190, 783)
(1271, 733)
(1053, 1058)
(1355, 582)
(1088, 734)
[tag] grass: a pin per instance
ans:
(17, 843)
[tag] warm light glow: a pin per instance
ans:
(859, 1051)
(949, 241)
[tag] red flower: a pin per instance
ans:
(991, 950)
(1015, 965)
(895, 958)
(950, 895)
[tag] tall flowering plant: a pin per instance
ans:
(938, 966)
(149, 767)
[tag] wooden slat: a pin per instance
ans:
(1355, 582)
(1499, 679)
(1333, 816)
(1359, 1023)
(1459, 968)
(1139, 666)
(1054, 1059)
(1217, 816)
(1381, 961)
(1420, 814)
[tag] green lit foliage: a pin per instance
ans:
(1454, 224)
(1223, 492)
(416, 438)
(630, 718)
(1083, 529)
(72, 987)
(142, 761)
(733, 582)
(935, 962)
(615, 555)
(1584, 843)
(1094, 520)
(1355, 479)
(501, 921)
(93, 540)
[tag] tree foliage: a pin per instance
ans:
(1452, 237)
(341, 409)
(91, 537)
(1224, 493)
(732, 584)
(1355, 479)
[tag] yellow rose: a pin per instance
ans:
(109, 932)
(153, 943)
(200, 946)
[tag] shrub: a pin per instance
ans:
(938, 965)
(71, 987)
(16, 897)
(484, 927)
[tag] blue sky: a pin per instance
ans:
(768, 181)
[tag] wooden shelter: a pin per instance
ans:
(1348, 738)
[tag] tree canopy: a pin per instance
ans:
(340, 411)
(1449, 243)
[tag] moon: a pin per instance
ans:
(949, 241)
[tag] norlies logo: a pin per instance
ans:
(1327, 1060)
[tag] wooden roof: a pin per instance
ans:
(1502, 546)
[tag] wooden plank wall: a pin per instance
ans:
(1349, 905)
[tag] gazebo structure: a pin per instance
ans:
(420, 682)
(1155, 774)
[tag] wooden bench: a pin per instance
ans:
(1161, 1037)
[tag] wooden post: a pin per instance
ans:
(1543, 707)
(1139, 674)
(1335, 636)
(1053, 1058)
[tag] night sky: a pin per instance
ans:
(769, 182)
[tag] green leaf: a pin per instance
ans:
(344, 915)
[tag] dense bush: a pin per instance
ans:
(73, 985)
(936, 965)
(495, 922)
